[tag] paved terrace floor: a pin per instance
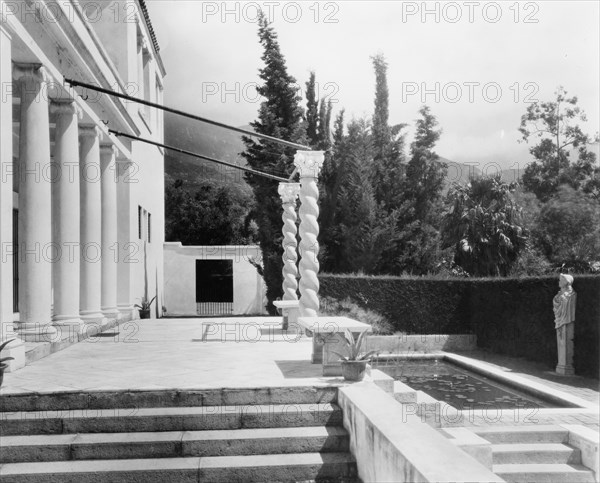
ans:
(190, 353)
(196, 353)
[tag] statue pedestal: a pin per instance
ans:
(564, 342)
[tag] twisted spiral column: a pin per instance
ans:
(289, 194)
(309, 164)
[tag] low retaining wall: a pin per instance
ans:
(398, 344)
(390, 446)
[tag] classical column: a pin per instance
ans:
(309, 164)
(289, 194)
(65, 216)
(110, 251)
(35, 225)
(91, 225)
(15, 349)
(128, 250)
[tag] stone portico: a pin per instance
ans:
(82, 216)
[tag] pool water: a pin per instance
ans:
(461, 388)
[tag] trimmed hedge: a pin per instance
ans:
(510, 316)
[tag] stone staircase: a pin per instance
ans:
(534, 454)
(221, 435)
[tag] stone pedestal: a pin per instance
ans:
(564, 342)
(328, 337)
(289, 311)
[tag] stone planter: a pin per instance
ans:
(354, 370)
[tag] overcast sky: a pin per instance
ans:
(476, 64)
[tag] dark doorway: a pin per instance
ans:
(214, 287)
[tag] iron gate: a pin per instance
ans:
(214, 287)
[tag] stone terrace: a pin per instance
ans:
(243, 352)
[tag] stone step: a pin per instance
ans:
(288, 467)
(169, 419)
(544, 473)
(167, 398)
(172, 444)
(523, 434)
(535, 453)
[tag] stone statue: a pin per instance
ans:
(564, 316)
(564, 302)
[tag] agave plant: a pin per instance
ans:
(144, 304)
(354, 348)
(2, 346)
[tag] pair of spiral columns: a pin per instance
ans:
(308, 164)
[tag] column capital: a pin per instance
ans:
(309, 163)
(65, 107)
(289, 192)
(28, 72)
(89, 130)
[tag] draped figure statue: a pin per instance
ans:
(564, 317)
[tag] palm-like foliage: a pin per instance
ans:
(2, 346)
(354, 347)
(484, 226)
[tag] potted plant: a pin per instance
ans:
(355, 363)
(3, 366)
(144, 307)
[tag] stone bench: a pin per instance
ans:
(289, 310)
(328, 337)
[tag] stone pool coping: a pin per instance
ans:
(518, 382)
(441, 414)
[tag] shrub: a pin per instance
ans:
(510, 316)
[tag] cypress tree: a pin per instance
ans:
(312, 116)
(280, 115)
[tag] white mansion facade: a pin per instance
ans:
(81, 210)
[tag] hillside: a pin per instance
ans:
(227, 145)
(207, 140)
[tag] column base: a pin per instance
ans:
(35, 332)
(126, 312)
(565, 370)
(68, 326)
(93, 318)
(111, 313)
(16, 350)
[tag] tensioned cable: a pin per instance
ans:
(73, 82)
(200, 156)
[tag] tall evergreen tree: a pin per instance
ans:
(329, 181)
(416, 246)
(324, 130)
(425, 173)
(360, 230)
(280, 115)
(312, 114)
(388, 144)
